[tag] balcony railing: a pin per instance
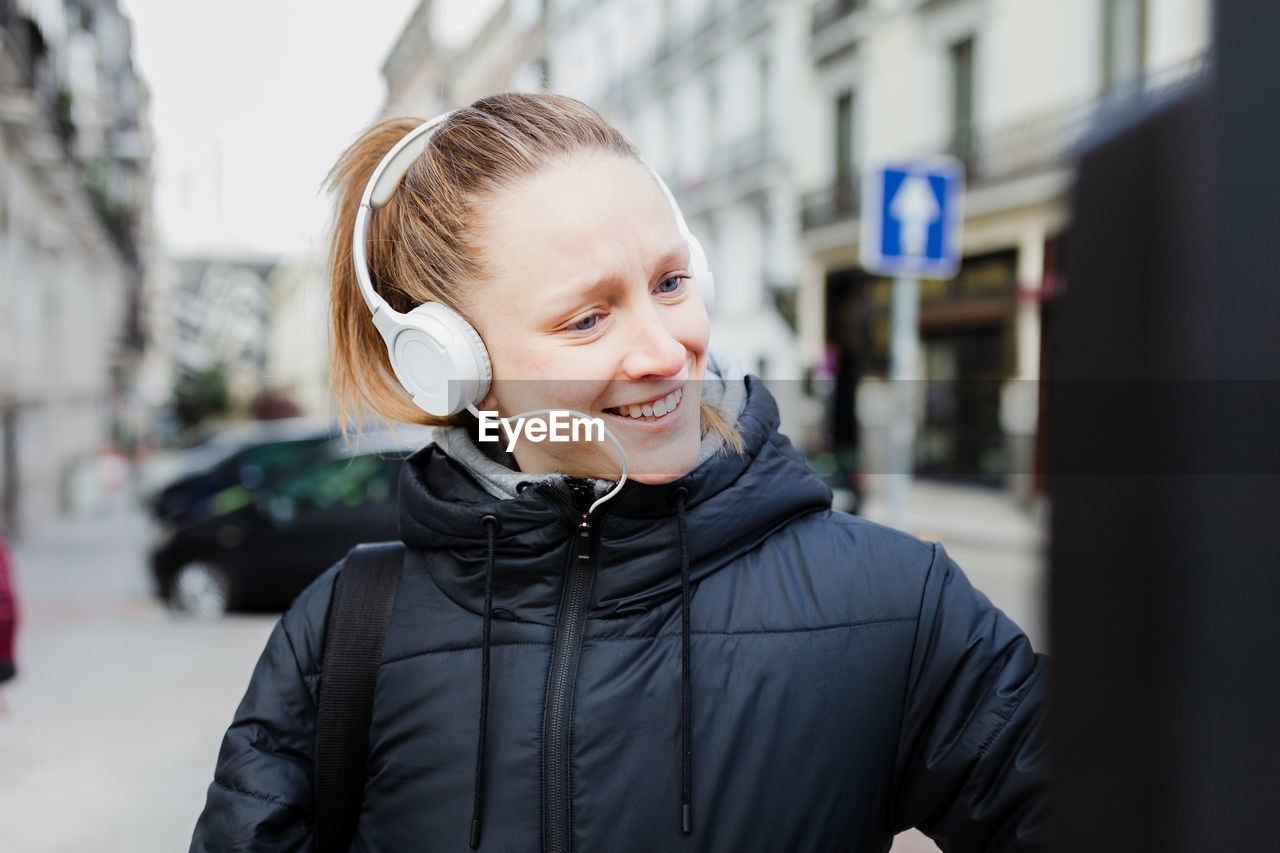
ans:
(707, 26)
(1049, 139)
(828, 12)
(1024, 148)
(836, 202)
(744, 158)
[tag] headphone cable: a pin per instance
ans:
(582, 416)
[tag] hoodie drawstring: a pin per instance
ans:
(491, 525)
(686, 722)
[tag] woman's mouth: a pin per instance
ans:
(652, 410)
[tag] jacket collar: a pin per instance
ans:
(733, 502)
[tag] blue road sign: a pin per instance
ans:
(911, 216)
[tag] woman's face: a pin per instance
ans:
(587, 304)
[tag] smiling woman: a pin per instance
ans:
(702, 657)
(566, 254)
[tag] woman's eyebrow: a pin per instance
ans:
(677, 252)
(587, 288)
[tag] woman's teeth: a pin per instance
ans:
(650, 411)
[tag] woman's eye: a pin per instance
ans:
(671, 285)
(586, 323)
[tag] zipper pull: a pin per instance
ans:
(582, 493)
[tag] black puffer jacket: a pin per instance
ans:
(817, 682)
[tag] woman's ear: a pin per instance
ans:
(490, 402)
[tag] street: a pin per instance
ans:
(114, 721)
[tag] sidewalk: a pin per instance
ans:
(69, 561)
(970, 515)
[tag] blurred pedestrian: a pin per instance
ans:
(661, 638)
(8, 620)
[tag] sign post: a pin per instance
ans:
(911, 218)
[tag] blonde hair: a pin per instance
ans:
(420, 244)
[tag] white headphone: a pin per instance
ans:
(435, 353)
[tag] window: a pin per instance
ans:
(766, 230)
(962, 135)
(764, 90)
(1124, 24)
(713, 115)
(344, 482)
(264, 463)
(844, 138)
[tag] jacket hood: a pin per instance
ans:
(732, 503)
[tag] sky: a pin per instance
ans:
(253, 101)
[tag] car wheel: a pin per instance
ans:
(200, 588)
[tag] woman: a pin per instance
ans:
(707, 658)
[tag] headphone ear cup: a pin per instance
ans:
(707, 289)
(483, 375)
(439, 358)
(702, 273)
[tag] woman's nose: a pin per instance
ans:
(654, 350)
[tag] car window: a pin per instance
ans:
(265, 462)
(345, 482)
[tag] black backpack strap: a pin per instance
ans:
(364, 595)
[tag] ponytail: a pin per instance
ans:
(360, 373)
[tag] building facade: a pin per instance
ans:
(708, 91)
(426, 76)
(75, 148)
(1011, 88)
(223, 321)
(297, 357)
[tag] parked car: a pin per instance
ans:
(231, 457)
(252, 530)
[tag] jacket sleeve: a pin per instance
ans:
(261, 796)
(972, 766)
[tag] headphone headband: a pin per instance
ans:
(383, 183)
(397, 162)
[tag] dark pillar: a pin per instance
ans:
(1165, 475)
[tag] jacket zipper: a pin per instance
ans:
(566, 651)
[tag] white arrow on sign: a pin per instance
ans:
(914, 206)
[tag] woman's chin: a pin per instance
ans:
(661, 468)
(650, 465)
(656, 479)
